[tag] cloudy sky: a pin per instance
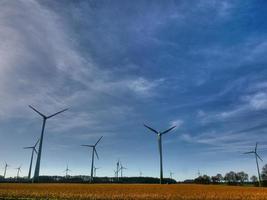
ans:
(200, 65)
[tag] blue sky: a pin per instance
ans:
(200, 65)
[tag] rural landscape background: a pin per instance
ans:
(115, 97)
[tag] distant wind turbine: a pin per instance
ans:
(6, 166)
(121, 169)
(94, 152)
(33, 151)
(19, 170)
(95, 168)
(159, 134)
(38, 161)
(67, 170)
(256, 157)
(171, 174)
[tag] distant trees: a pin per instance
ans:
(264, 175)
(217, 179)
(241, 177)
(230, 178)
(205, 179)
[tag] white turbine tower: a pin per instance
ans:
(257, 163)
(67, 170)
(6, 166)
(159, 134)
(94, 152)
(19, 170)
(33, 148)
(38, 162)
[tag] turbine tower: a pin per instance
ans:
(38, 161)
(33, 151)
(159, 134)
(67, 170)
(19, 170)
(94, 152)
(6, 166)
(256, 157)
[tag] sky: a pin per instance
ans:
(199, 65)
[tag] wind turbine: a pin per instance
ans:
(95, 168)
(118, 169)
(121, 169)
(19, 170)
(33, 151)
(6, 166)
(140, 173)
(159, 134)
(256, 157)
(67, 170)
(38, 161)
(93, 156)
(171, 174)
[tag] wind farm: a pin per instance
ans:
(133, 100)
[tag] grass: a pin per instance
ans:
(127, 191)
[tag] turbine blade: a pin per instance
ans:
(36, 143)
(85, 145)
(96, 154)
(37, 111)
(57, 113)
(249, 152)
(151, 129)
(259, 157)
(27, 147)
(164, 132)
(256, 146)
(98, 140)
(35, 151)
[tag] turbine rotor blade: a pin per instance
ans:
(96, 154)
(36, 143)
(164, 132)
(259, 157)
(37, 111)
(256, 146)
(57, 113)
(249, 152)
(28, 147)
(98, 140)
(85, 145)
(35, 151)
(153, 130)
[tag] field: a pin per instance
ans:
(135, 191)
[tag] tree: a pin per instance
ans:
(241, 177)
(230, 177)
(220, 177)
(254, 179)
(264, 173)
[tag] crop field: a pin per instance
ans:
(135, 191)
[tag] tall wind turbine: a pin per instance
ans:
(33, 151)
(121, 169)
(19, 170)
(67, 170)
(159, 134)
(256, 157)
(38, 161)
(6, 166)
(94, 152)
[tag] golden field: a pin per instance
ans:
(127, 191)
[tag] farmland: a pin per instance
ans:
(126, 191)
